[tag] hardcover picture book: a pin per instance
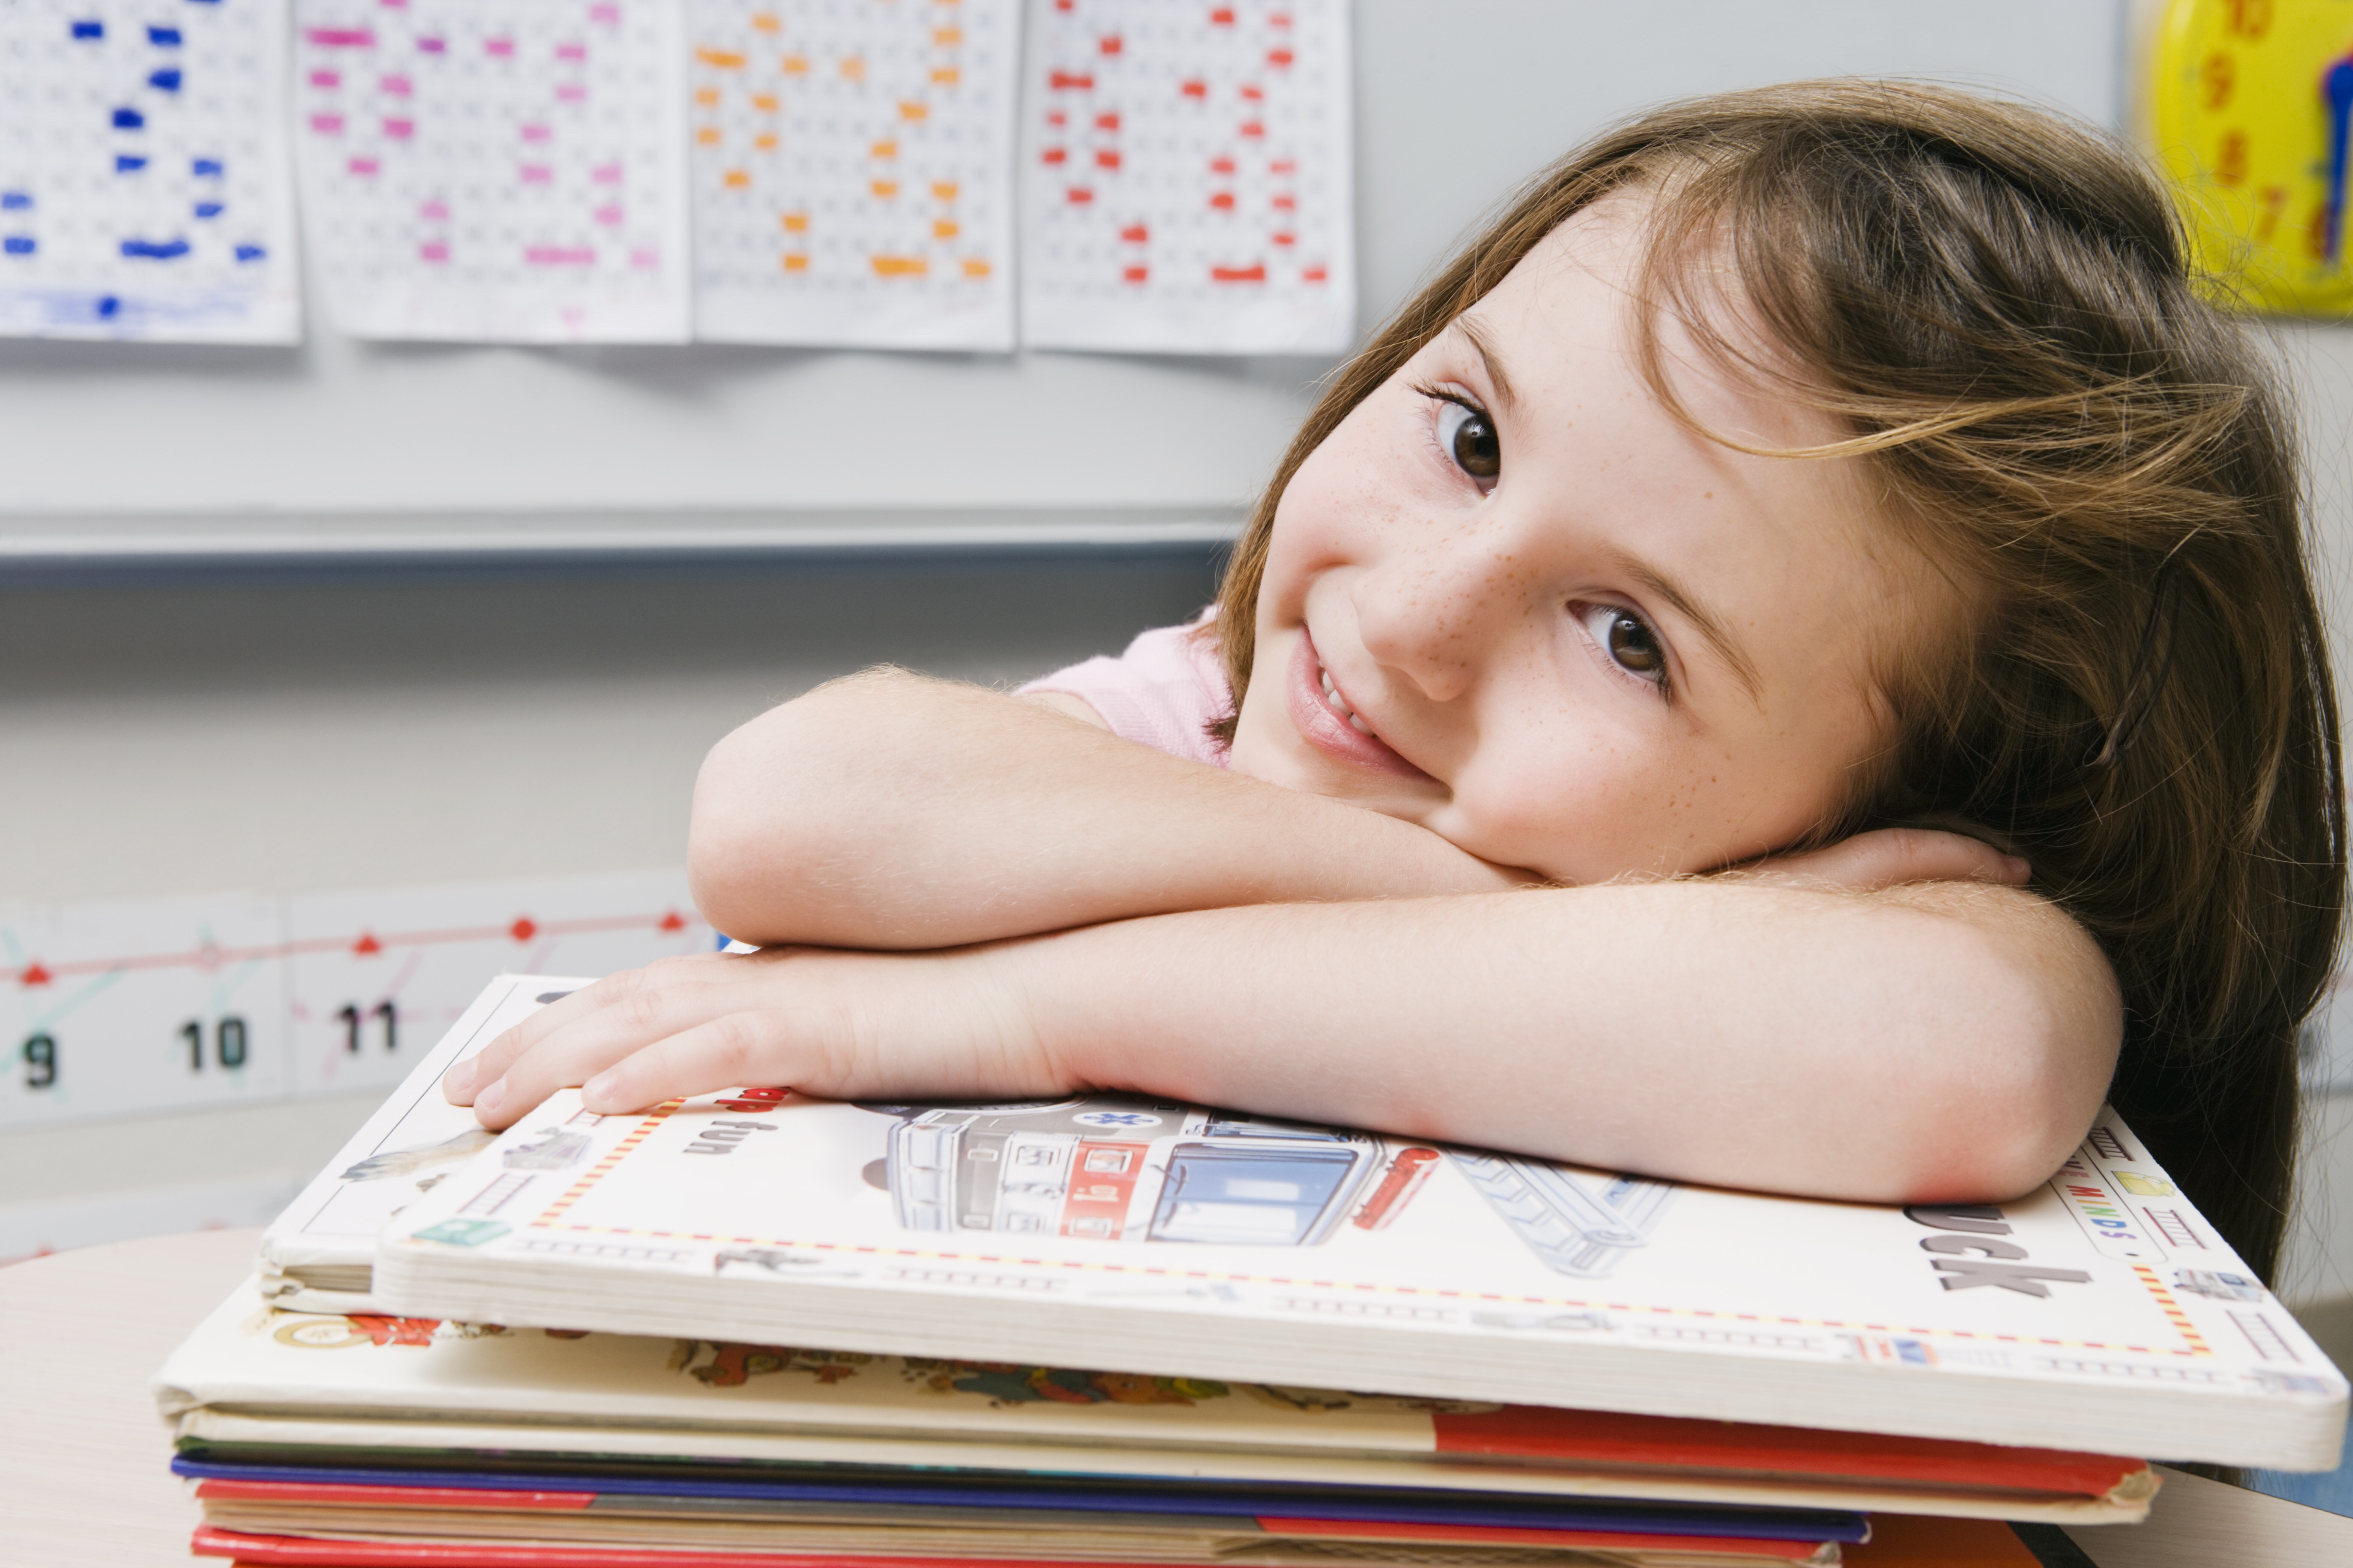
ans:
(319, 1254)
(2100, 1312)
(361, 1394)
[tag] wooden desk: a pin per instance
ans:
(83, 1482)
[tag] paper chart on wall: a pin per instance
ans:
(851, 170)
(496, 169)
(144, 192)
(1185, 177)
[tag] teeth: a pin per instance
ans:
(1339, 704)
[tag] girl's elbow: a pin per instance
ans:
(2018, 1083)
(2013, 1040)
(744, 831)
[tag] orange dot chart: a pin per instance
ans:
(851, 171)
(144, 190)
(501, 170)
(131, 1008)
(1185, 177)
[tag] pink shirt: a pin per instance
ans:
(1163, 692)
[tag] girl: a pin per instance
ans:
(1789, 664)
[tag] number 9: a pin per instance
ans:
(40, 1061)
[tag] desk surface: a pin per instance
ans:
(83, 1482)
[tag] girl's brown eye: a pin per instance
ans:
(1470, 439)
(1628, 639)
(1633, 647)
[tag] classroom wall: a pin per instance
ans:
(1456, 103)
(201, 733)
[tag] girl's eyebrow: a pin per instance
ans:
(1710, 626)
(1492, 362)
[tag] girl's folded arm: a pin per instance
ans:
(890, 810)
(1943, 1042)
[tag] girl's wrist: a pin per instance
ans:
(1082, 997)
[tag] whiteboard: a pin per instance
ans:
(130, 455)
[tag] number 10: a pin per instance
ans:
(229, 1043)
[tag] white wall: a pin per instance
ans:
(1457, 102)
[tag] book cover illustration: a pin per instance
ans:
(1104, 1168)
(1104, 1208)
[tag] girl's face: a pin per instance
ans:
(1514, 600)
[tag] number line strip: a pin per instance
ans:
(522, 930)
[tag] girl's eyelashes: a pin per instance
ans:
(1467, 435)
(1627, 640)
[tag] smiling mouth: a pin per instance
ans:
(1327, 720)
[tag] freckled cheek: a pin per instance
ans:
(1335, 504)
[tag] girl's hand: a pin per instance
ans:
(835, 1024)
(1891, 856)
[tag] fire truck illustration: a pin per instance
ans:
(1111, 1168)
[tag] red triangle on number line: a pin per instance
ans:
(32, 975)
(367, 945)
(673, 920)
(522, 930)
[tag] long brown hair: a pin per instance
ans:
(1998, 305)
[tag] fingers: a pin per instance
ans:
(1891, 856)
(488, 1065)
(566, 1041)
(767, 1047)
(832, 1024)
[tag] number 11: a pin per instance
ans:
(350, 1014)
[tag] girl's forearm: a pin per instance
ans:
(1949, 1042)
(892, 811)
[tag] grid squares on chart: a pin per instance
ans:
(495, 169)
(850, 169)
(144, 186)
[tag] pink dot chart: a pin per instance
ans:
(495, 169)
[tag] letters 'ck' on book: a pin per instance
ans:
(1185, 177)
(145, 189)
(852, 169)
(496, 169)
(2100, 1312)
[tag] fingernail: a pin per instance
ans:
(2019, 869)
(601, 1086)
(487, 1102)
(459, 1080)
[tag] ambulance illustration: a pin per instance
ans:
(1113, 1168)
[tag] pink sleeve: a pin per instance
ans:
(1163, 692)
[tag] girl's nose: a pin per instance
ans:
(1427, 615)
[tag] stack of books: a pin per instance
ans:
(751, 1330)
